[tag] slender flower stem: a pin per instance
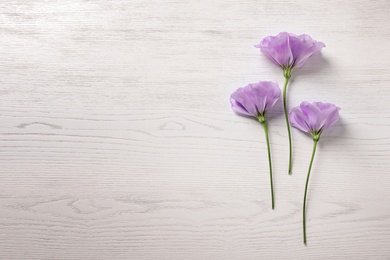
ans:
(269, 162)
(287, 77)
(307, 184)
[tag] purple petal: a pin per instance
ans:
(242, 100)
(264, 95)
(330, 114)
(297, 120)
(277, 48)
(238, 108)
(313, 115)
(303, 47)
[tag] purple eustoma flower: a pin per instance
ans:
(255, 100)
(313, 118)
(289, 51)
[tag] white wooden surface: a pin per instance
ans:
(117, 140)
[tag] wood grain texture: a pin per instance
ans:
(117, 140)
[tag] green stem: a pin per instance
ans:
(307, 184)
(269, 162)
(287, 122)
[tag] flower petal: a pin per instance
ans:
(303, 47)
(298, 120)
(243, 101)
(277, 48)
(313, 115)
(238, 107)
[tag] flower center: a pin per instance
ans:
(287, 71)
(261, 118)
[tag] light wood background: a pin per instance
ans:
(117, 140)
